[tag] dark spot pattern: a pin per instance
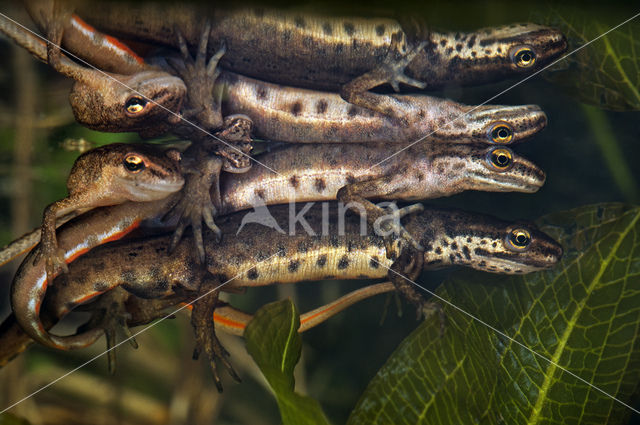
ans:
(321, 106)
(380, 30)
(296, 108)
(253, 274)
(261, 93)
(439, 251)
(343, 263)
(454, 246)
(294, 182)
(349, 28)
(466, 252)
(471, 42)
(322, 260)
(293, 266)
(327, 28)
(319, 184)
(373, 262)
(352, 112)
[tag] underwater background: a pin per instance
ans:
(590, 152)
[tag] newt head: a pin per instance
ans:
(503, 125)
(122, 172)
(121, 103)
(479, 168)
(518, 47)
(487, 243)
(485, 55)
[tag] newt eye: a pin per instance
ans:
(501, 133)
(523, 57)
(518, 239)
(135, 105)
(500, 159)
(134, 163)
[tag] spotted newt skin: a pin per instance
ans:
(305, 50)
(319, 172)
(292, 114)
(258, 255)
(309, 172)
(307, 116)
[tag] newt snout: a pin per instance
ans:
(506, 125)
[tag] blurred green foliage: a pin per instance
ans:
(604, 73)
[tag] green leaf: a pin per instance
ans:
(273, 341)
(584, 316)
(606, 73)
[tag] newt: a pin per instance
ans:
(297, 115)
(326, 53)
(312, 172)
(147, 102)
(318, 172)
(257, 255)
(110, 175)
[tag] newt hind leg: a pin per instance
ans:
(403, 273)
(199, 76)
(391, 71)
(204, 329)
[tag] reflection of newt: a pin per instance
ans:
(318, 172)
(280, 113)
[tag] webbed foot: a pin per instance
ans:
(206, 340)
(396, 236)
(393, 67)
(236, 132)
(111, 315)
(404, 270)
(200, 76)
(391, 71)
(195, 204)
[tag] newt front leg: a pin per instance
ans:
(109, 175)
(391, 71)
(356, 197)
(200, 199)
